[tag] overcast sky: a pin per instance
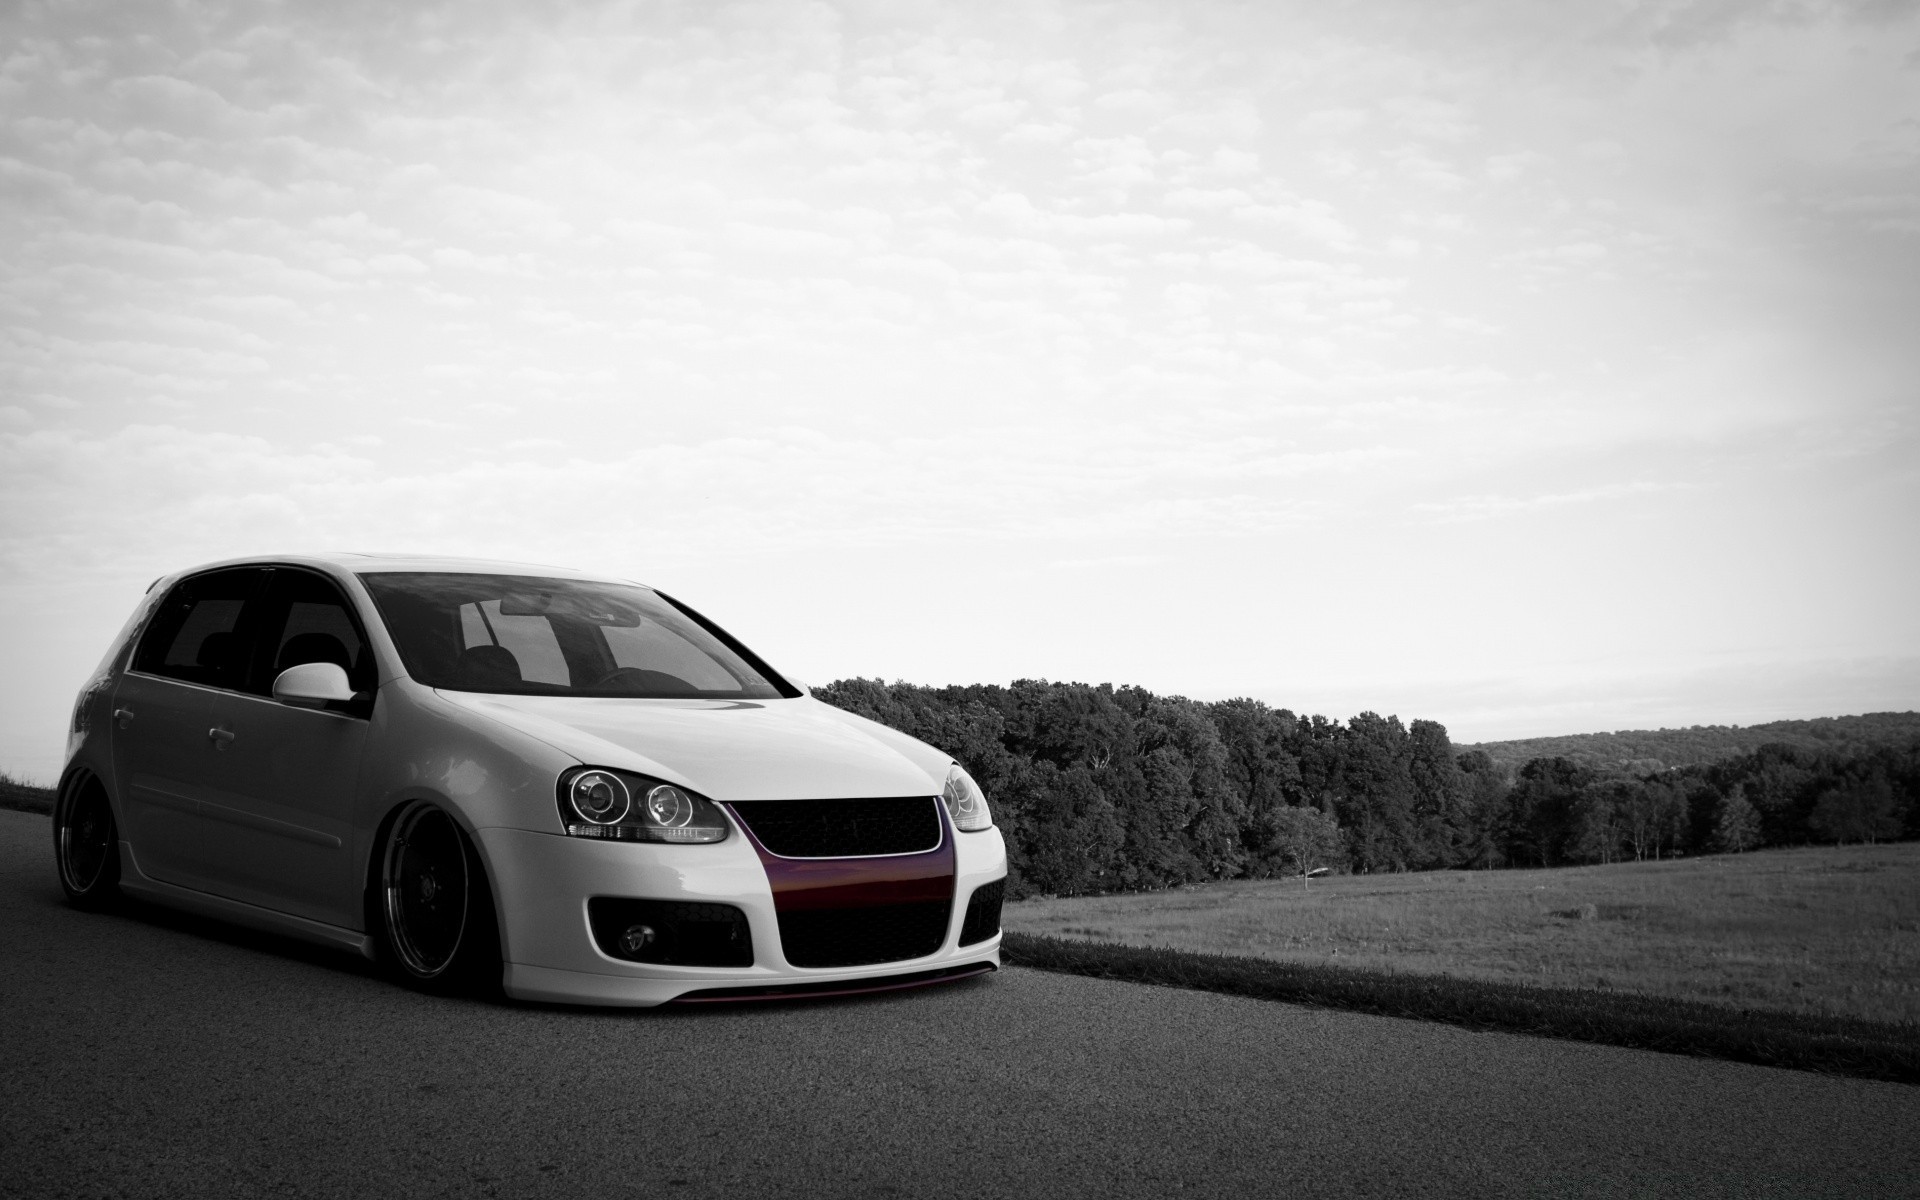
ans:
(1534, 368)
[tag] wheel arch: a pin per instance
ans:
(370, 864)
(80, 775)
(77, 783)
(77, 778)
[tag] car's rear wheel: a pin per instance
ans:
(86, 845)
(434, 909)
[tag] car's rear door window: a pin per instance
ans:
(200, 632)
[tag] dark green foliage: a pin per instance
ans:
(1375, 802)
(1098, 788)
(1543, 811)
(1644, 751)
(1486, 825)
(1838, 1045)
(1596, 821)
(1439, 796)
(1736, 824)
(1856, 811)
(1259, 765)
(1300, 840)
(1067, 837)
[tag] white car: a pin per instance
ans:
(494, 775)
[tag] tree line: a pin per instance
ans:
(1648, 750)
(1098, 788)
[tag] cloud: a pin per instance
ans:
(1022, 214)
(1052, 283)
(1208, 199)
(1311, 219)
(1481, 508)
(785, 488)
(773, 239)
(1334, 122)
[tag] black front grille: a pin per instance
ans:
(983, 913)
(843, 828)
(685, 933)
(857, 937)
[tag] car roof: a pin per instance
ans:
(361, 563)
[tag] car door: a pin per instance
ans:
(165, 748)
(283, 787)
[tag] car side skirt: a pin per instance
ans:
(139, 884)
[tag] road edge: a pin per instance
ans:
(1829, 1045)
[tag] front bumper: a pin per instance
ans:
(542, 883)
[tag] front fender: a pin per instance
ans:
(484, 773)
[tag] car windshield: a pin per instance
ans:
(530, 636)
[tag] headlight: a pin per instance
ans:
(599, 797)
(966, 803)
(622, 806)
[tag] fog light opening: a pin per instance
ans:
(636, 938)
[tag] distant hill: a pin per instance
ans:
(1655, 748)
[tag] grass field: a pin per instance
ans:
(27, 797)
(1823, 930)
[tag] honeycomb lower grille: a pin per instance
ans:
(983, 913)
(858, 937)
(843, 828)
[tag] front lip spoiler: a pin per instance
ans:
(835, 987)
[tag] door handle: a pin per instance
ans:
(219, 737)
(123, 717)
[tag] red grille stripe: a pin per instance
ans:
(803, 885)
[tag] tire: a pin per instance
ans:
(433, 915)
(86, 845)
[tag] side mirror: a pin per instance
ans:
(313, 685)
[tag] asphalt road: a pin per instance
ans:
(147, 1054)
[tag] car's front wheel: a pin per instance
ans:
(86, 845)
(434, 914)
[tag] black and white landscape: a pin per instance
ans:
(1268, 444)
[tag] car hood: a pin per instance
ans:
(798, 749)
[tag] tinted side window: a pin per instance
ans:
(199, 632)
(304, 618)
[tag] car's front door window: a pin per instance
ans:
(305, 619)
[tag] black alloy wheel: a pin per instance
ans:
(86, 844)
(435, 909)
